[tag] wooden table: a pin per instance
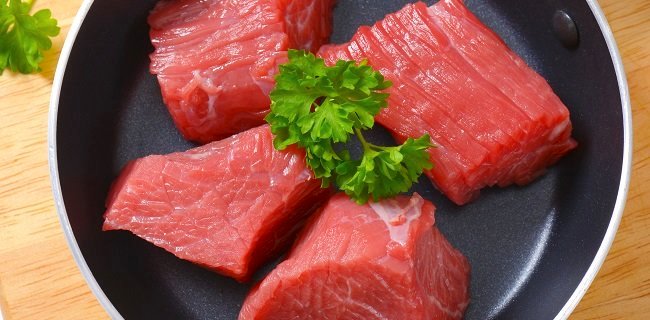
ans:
(40, 280)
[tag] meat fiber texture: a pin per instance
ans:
(215, 59)
(381, 260)
(495, 121)
(229, 205)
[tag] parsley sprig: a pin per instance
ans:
(23, 37)
(320, 107)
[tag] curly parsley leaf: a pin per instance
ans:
(24, 37)
(384, 172)
(320, 107)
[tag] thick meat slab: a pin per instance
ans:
(381, 260)
(494, 119)
(229, 205)
(215, 59)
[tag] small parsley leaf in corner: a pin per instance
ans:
(24, 37)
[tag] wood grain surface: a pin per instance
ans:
(40, 280)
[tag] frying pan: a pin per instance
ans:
(534, 250)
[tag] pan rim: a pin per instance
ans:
(626, 164)
(54, 164)
(566, 310)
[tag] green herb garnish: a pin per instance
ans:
(24, 37)
(319, 107)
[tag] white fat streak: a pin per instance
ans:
(398, 219)
(212, 110)
(558, 130)
(198, 156)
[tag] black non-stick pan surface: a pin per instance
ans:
(529, 247)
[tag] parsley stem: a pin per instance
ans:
(365, 144)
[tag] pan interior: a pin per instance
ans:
(529, 247)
